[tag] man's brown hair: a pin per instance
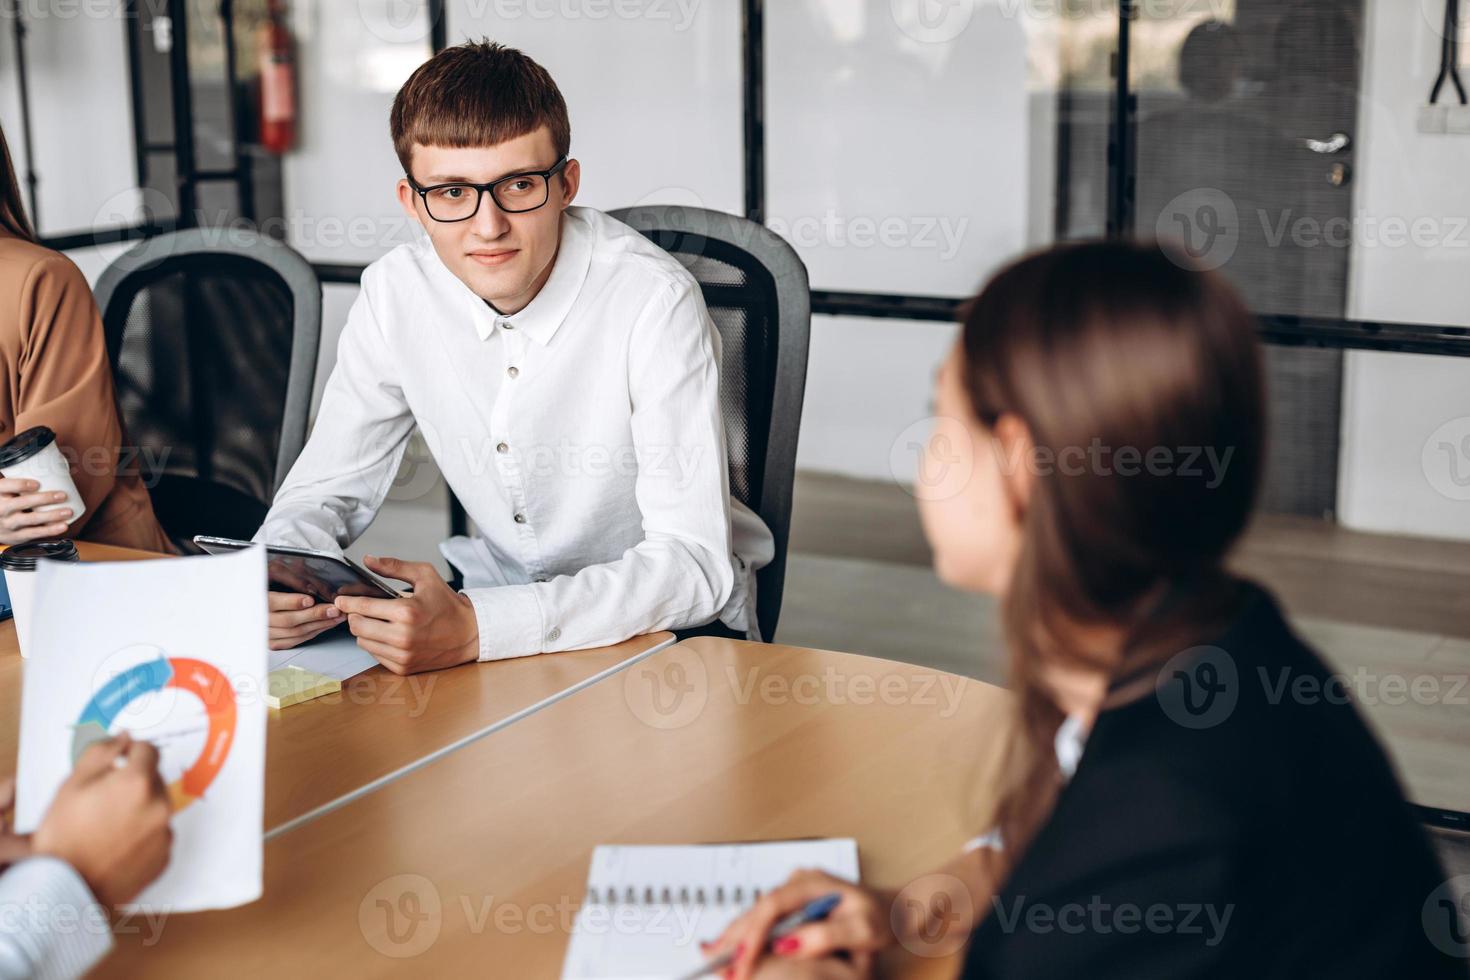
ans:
(477, 94)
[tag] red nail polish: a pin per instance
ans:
(787, 945)
(735, 956)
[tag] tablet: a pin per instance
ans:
(322, 575)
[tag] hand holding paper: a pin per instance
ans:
(172, 651)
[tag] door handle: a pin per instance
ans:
(1335, 143)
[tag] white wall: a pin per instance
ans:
(1398, 410)
(338, 182)
(869, 394)
(81, 120)
(904, 156)
(652, 89)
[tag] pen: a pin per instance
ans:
(814, 911)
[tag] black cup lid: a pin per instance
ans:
(23, 557)
(25, 445)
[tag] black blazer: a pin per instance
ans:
(1228, 825)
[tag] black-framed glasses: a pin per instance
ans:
(513, 194)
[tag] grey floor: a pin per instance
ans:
(859, 580)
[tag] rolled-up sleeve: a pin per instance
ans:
(50, 925)
(681, 574)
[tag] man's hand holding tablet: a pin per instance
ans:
(431, 629)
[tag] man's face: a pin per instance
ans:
(504, 258)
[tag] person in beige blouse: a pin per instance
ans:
(54, 372)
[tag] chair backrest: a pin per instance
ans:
(757, 292)
(213, 340)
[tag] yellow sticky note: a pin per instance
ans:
(291, 685)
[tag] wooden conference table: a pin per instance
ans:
(318, 751)
(476, 861)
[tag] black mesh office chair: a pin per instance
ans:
(756, 289)
(213, 340)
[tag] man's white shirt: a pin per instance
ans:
(583, 436)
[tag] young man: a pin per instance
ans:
(564, 373)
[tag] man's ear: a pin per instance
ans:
(408, 199)
(1018, 453)
(571, 180)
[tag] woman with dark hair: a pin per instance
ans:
(1172, 804)
(54, 372)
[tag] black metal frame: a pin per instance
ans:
(1121, 158)
(23, 85)
(481, 190)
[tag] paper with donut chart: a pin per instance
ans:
(647, 908)
(170, 650)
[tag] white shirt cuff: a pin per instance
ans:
(51, 927)
(510, 622)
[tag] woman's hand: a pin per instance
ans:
(858, 926)
(20, 522)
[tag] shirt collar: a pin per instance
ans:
(1071, 739)
(549, 309)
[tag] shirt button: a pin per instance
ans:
(507, 324)
(554, 635)
(502, 448)
(520, 518)
(513, 372)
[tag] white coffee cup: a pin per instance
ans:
(19, 563)
(34, 455)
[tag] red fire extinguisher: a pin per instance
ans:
(277, 82)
